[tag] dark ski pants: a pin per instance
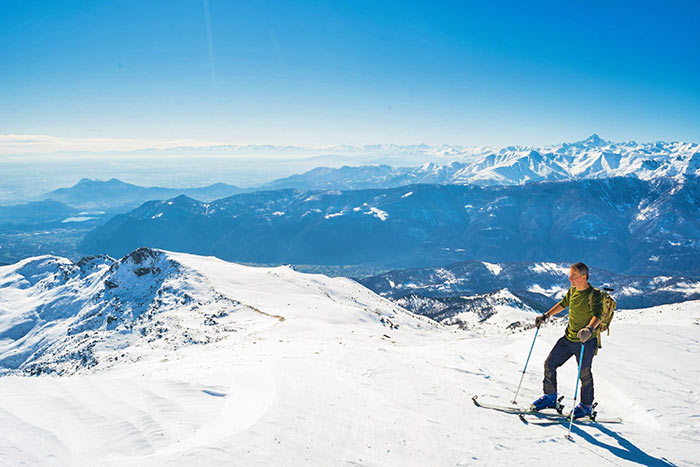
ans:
(561, 352)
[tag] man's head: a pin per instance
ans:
(578, 276)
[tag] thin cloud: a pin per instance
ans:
(12, 144)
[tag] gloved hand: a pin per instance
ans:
(584, 334)
(540, 319)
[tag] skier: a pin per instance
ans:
(585, 310)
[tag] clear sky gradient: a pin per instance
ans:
(355, 72)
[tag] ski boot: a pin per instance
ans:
(548, 401)
(582, 410)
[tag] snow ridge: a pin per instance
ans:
(61, 317)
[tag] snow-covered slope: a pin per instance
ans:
(61, 317)
(336, 382)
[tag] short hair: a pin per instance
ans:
(581, 268)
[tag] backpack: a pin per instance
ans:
(609, 306)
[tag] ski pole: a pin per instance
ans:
(580, 363)
(515, 399)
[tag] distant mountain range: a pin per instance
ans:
(537, 285)
(515, 165)
(578, 159)
(489, 225)
(621, 224)
(116, 195)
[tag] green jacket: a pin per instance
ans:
(583, 305)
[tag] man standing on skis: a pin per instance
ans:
(585, 311)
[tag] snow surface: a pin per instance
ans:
(495, 269)
(378, 213)
(687, 288)
(552, 268)
(77, 219)
(554, 291)
(321, 371)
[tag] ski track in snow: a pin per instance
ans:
(331, 385)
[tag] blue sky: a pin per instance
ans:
(322, 73)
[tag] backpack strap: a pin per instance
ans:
(590, 307)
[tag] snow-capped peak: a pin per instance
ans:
(595, 140)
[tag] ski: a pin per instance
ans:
(543, 416)
(513, 409)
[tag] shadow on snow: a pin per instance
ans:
(625, 449)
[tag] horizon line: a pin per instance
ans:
(46, 145)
